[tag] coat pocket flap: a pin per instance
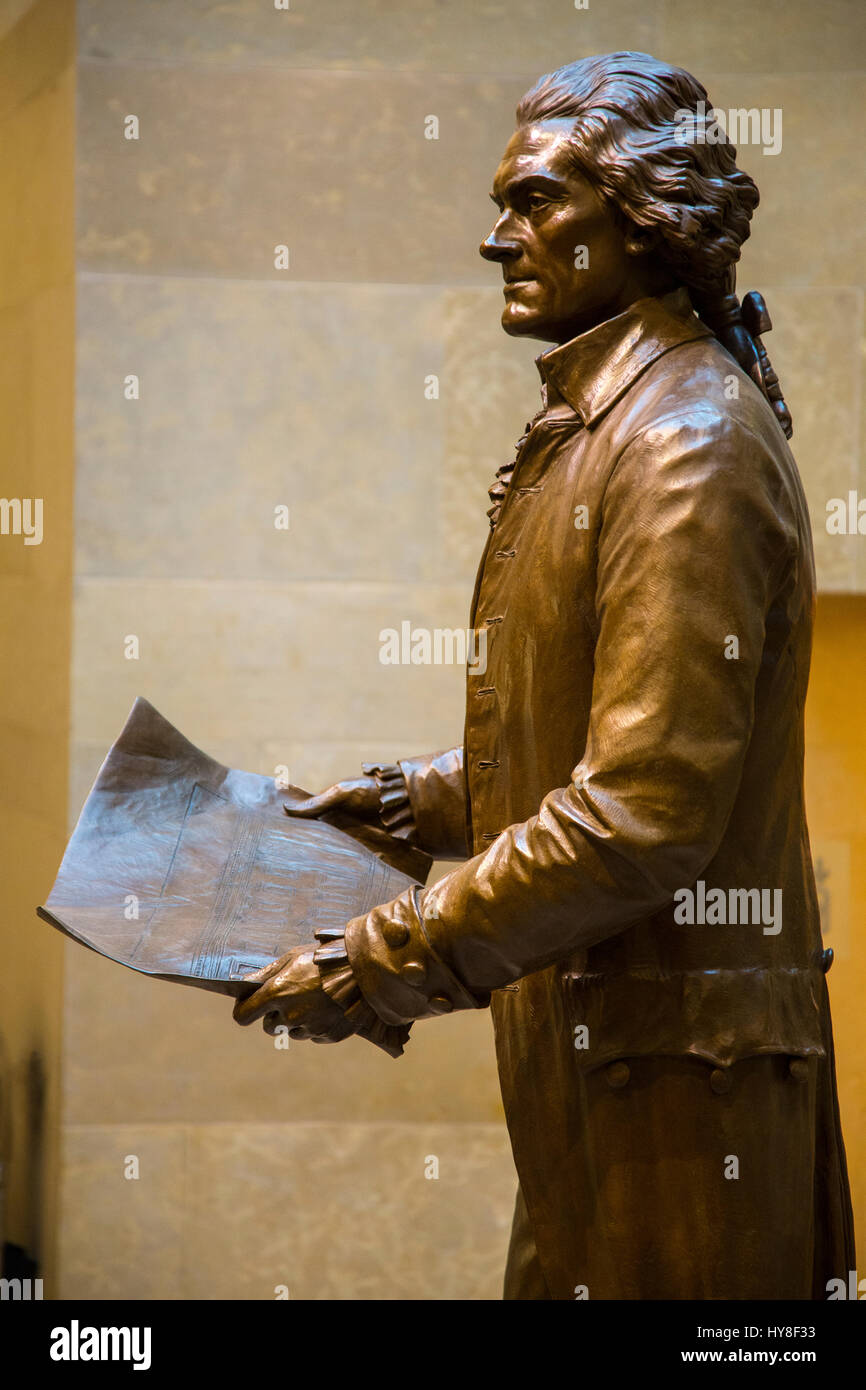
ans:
(720, 1015)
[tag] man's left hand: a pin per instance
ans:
(290, 995)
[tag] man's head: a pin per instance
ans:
(603, 201)
(569, 261)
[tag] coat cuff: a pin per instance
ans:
(339, 983)
(400, 975)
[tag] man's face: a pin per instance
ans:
(563, 256)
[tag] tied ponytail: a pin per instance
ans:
(738, 327)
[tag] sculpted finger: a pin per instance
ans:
(336, 1031)
(260, 977)
(255, 1006)
(314, 806)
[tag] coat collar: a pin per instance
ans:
(592, 371)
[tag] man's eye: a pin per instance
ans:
(536, 201)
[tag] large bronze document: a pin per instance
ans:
(190, 871)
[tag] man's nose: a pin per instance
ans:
(496, 246)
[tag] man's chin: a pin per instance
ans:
(521, 322)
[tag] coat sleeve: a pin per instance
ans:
(697, 531)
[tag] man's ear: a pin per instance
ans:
(639, 241)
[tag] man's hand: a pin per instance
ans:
(359, 796)
(290, 994)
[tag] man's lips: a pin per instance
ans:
(517, 282)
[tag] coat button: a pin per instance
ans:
(440, 1004)
(827, 958)
(798, 1069)
(395, 934)
(720, 1081)
(618, 1074)
(413, 972)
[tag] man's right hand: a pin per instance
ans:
(359, 797)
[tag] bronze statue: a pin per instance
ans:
(637, 903)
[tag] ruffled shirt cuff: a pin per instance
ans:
(337, 975)
(339, 983)
(395, 808)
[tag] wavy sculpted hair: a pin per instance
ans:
(644, 135)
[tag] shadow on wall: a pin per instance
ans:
(16, 1264)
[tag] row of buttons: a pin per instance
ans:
(497, 497)
(618, 1074)
(396, 935)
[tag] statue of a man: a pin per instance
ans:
(636, 903)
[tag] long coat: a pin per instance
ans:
(638, 905)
